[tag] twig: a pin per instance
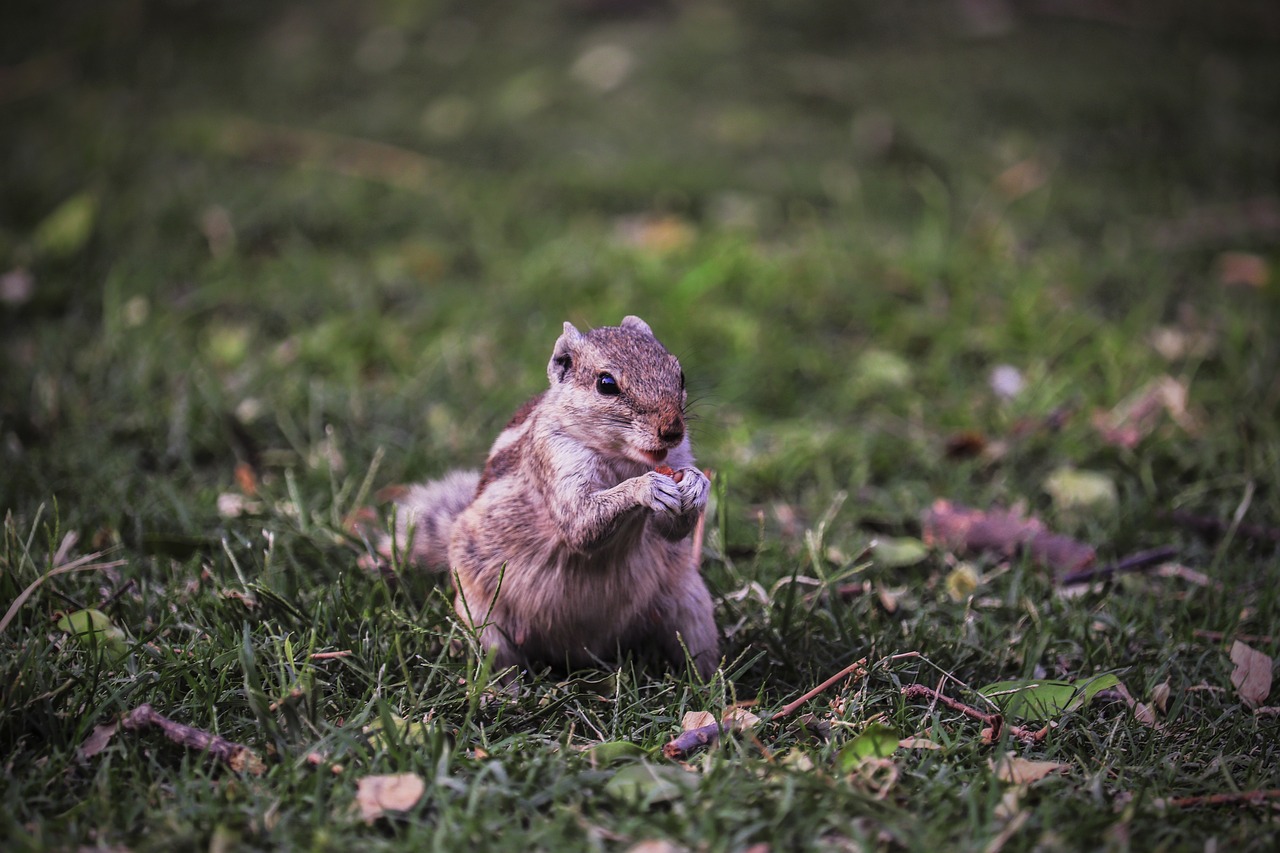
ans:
(238, 757)
(1218, 636)
(116, 593)
(1131, 563)
(996, 722)
(1252, 798)
(1211, 525)
(692, 740)
(330, 655)
(82, 564)
(857, 669)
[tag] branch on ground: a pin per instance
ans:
(238, 757)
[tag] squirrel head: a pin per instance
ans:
(620, 390)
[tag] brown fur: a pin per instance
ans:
(569, 546)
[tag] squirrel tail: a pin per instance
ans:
(426, 513)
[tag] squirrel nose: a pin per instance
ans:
(672, 430)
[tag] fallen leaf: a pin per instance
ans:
(1022, 771)
(962, 582)
(234, 505)
(97, 740)
(1135, 417)
(648, 783)
(1045, 699)
(696, 720)
(740, 719)
(1160, 696)
(397, 792)
(896, 552)
(1073, 489)
(655, 845)
(878, 369)
(1252, 674)
(94, 629)
(889, 597)
(1242, 268)
(1002, 532)
(65, 231)
(612, 752)
(657, 235)
(1021, 178)
(1181, 572)
(875, 741)
(919, 743)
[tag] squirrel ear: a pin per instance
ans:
(562, 355)
(635, 324)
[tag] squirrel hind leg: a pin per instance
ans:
(425, 516)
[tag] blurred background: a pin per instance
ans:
(289, 235)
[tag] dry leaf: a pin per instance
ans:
(398, 792)
(918, 743)
(1177, 570)
(97, 740)
(1160, 696)
(740, 719)
(654, 234)
(1022, 771)
(1003, 532)
(1021, 178)
(962, 582)
(1252, 674)
(1142, 712)
(1137, 415)
(696, 720)
(1073, 489)
(1242, 268)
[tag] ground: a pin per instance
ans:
(261, 262)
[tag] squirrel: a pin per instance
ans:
(569, 546)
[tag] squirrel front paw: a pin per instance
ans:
(660, 494)
(694, 488)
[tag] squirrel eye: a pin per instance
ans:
(607, 385)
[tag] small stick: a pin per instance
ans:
(1254, 798)
(857, 668)
(995, 721)
(1133, 562)
(238, 757)
(330, 655)
(694, 739)
(1210, 524)
(1218, 636)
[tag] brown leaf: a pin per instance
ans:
(1022, 771)
(918, 743)
(97, 740)
(1135, 417)
(1252, 674)
(696, 720)
(1242, 268)
(247, 479)
(654, 235)
(1002, 532)
(397, 792)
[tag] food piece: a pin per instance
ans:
(667, 471)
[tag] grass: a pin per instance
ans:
(333, 244)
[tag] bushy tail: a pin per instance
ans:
(424, 518)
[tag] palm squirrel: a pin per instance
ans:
(569, 546)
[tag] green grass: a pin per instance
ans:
(226, 268)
